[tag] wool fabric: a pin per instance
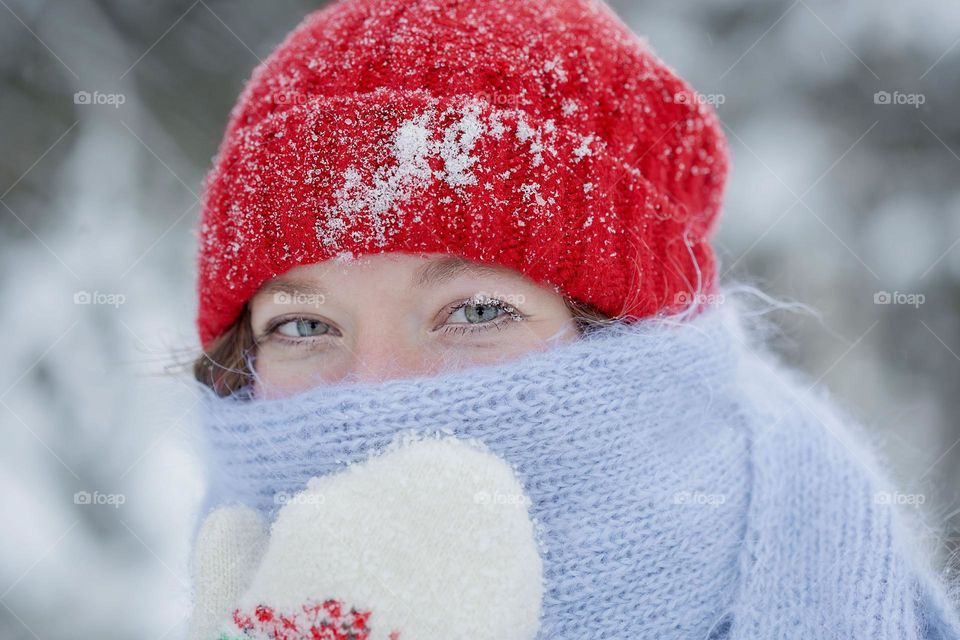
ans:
(429, 539)
(686, 483)
(541, 135)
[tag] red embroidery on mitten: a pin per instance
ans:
(327, 620)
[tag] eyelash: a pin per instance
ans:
(272, 333)
(511, 314)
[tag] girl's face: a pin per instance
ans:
(397, 315)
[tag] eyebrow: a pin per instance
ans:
(291, 286)
(433, 273)
(444, 269)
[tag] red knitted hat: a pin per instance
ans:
(539, 135)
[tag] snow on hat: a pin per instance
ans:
(540, 135)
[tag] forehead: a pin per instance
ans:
(415, 271)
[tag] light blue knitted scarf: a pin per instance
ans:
(686, 484)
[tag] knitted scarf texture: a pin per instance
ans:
(684, 483)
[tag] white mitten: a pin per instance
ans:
(429, 540)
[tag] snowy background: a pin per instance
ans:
(835, 197)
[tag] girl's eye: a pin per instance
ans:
(303, 328)
(479, 313)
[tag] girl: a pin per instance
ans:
(469, 372)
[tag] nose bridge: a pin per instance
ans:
(381, 353)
